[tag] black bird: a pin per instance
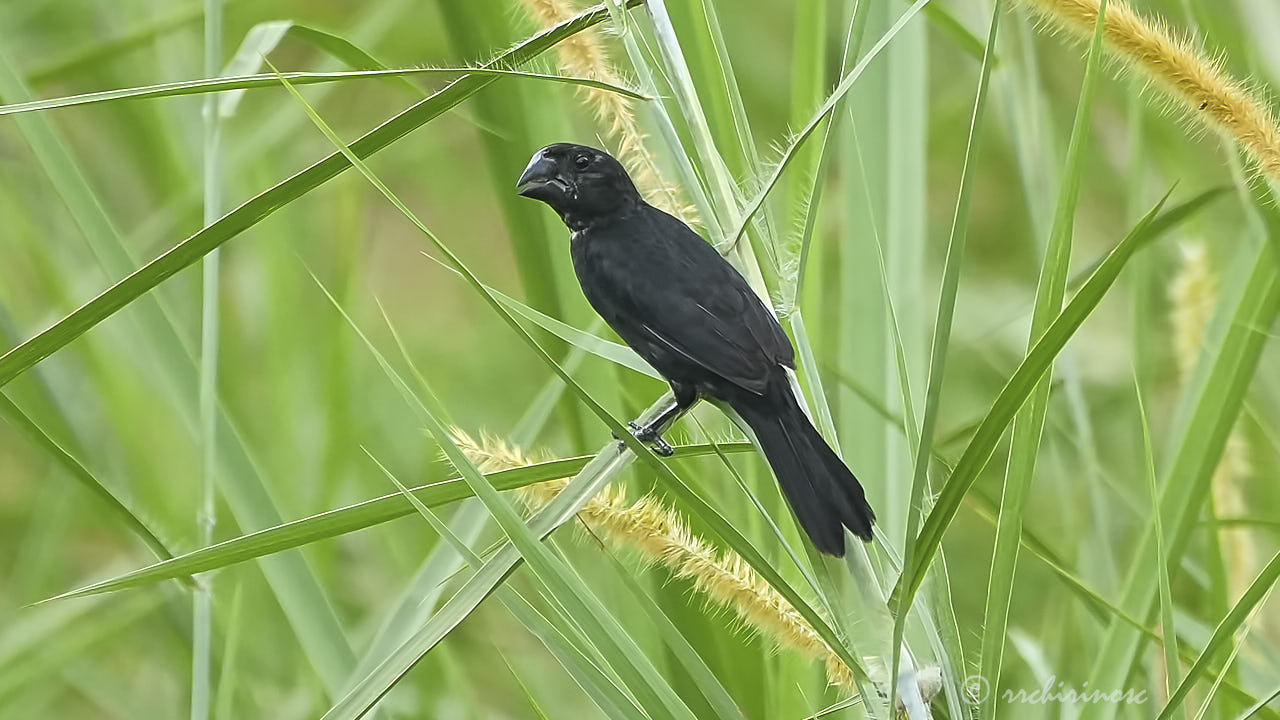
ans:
(691, 315)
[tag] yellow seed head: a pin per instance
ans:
(660, 537)
(1197, 83)
(1192, 294)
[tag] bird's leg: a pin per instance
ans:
(685, 397)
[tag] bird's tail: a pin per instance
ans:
(822, 492)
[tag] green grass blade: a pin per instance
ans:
(20, 420)
(1011, 398)
(228, 674)
(337, 46)
(911, 696)
(258, 43)
(422, 592)
(1172, 666)
(246, 82)
(616, 353)
(808, 83)
(723, 97)
(1224, 633)
(351, 518)
(1186, 209)
(210, 319)
(1260, 706)
(950, 25)
(1028, 427)
(794, 291)
(944, 319)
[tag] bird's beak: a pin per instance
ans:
(541, 180)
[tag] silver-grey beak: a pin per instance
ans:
(540, 179)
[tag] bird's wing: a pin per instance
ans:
(697, 304)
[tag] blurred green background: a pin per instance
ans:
(88, 194)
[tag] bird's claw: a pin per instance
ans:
(650, 437)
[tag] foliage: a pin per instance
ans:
(241, 491)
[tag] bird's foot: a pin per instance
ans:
(651, 437)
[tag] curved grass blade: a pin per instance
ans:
(605, 349)
(1187, 208)
(258, 43)
(1260, 706)
(339, 47)
(1006, 405)
(1166, 598)
(19, 359)
(598, 346)
(1223, 635)
(247, 82)
(1172, 667)
(351, 518)
(22, 421)
(950, 25)
(202, 601)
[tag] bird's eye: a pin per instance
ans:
(582, 162)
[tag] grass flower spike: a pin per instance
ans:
(1201, 88)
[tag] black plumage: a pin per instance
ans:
(692, 316)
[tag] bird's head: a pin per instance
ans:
(580, 183)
